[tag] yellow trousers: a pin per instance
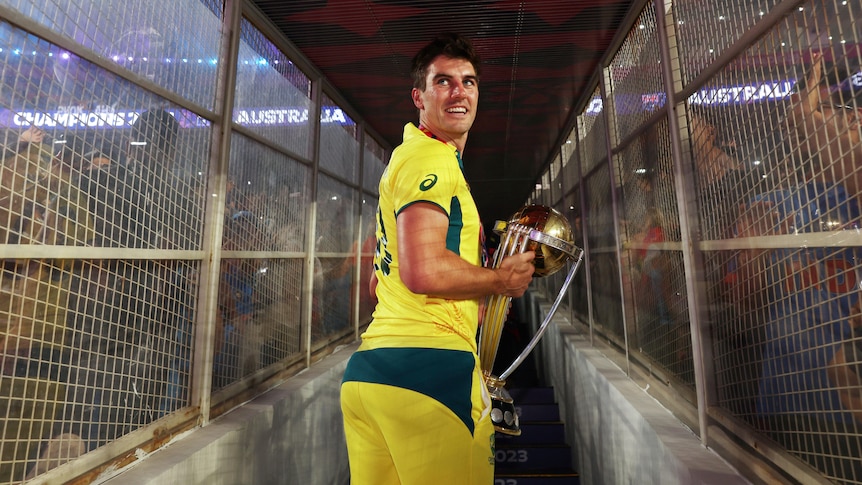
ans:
(412, 418)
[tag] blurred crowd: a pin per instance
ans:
(93, 349)
(784, 314)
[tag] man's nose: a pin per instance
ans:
(457, 90)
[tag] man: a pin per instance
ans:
(121, 308)
(415, 405)
(807, 394)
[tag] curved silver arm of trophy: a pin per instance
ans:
(544, 326)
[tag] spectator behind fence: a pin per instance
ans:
(723, 181)
(238, 351)
(827, 125)
(22, 141)
(123, 316)
(39, 204)
(721, 178)
(811, 297)
(662, 328)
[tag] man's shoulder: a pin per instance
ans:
(418, 148)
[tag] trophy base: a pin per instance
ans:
(503, 413)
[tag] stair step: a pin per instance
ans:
(537, 412)
(540, 455)
(546, 433)
(533, 395)
(533, 458)
(565, 478)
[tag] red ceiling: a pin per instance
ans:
(538, 59)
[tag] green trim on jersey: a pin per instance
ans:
(444, 375)
(456, 224)
(418, 201)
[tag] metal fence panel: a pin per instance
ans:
(776, 145)
(260, 287)
(273, 97)
(336, 230)
(173, 44)
(637, 89)
(339, 142)
(374, 162)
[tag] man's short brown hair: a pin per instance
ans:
(451, 45)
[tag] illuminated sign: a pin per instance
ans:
(766, 91)
(595, 106)
(77, 117)
(287, 116)
(742, 94)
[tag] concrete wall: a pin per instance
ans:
(621, 434)
(292, 434)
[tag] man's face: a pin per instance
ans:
(846, 117)
(448, 104)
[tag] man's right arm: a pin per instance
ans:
(428, 267)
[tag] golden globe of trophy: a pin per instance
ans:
(532, 228)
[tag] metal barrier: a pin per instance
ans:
(717, 168)
(178, 226)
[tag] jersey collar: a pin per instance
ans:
(432, 135)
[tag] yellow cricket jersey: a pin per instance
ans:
(423, 169)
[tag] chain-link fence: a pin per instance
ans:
(161, 257)
(718, 167)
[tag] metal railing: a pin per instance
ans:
(716, 170)
(181, 204)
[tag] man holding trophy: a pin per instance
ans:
(415, 403)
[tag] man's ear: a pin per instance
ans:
(417, 98)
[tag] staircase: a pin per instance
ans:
(540, 456)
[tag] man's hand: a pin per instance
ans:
(32, 135)
(516, 273)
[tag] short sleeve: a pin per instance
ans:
(430, 176)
